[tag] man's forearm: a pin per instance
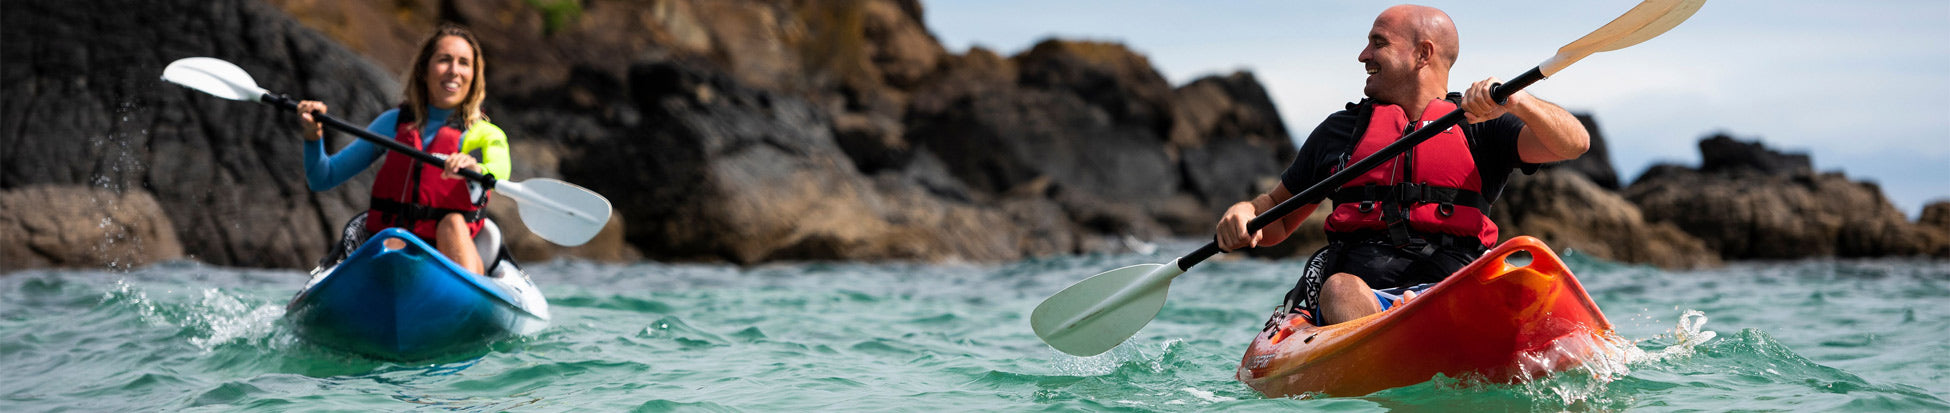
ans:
(1557, 130)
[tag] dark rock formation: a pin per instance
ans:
(1595, 165)
(1095, 123)
(1937, 215)
(79, 226)
(1231, 143)
(1089, 139)
(85, 108)
(724, 171)
(1750, 202)
(1728, 156)
(1572, 205)
(1568, 211)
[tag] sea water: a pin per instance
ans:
(1807, 335)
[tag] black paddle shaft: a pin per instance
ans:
(1314, 194)
(287, 103)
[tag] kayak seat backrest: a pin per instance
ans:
(488, 242)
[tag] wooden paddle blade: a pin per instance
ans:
(559, 212)
(215, 77)
(1647, 20)
(1100, 312)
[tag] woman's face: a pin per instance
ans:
(450, 72)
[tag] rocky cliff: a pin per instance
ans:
(741, 131)
(753, 130)
(87, 115)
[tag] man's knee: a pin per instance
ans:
(1346, 297)
(1344, 282)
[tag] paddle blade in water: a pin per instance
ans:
(559, 212)
(1100, 312)
(215, 77)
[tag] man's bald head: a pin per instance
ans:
(1423, 23)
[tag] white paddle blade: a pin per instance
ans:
(1100, 312)
(559, 212)
(1647, 20)
(215, 77)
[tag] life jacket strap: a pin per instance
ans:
(1410, 194)
(402, 213)
(1417, 242)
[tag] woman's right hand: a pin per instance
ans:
(313, 129)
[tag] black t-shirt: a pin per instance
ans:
(1494, 147)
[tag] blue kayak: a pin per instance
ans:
(407, 301)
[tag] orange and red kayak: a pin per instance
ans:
(1491, 321)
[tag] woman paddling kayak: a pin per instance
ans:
(441, 115)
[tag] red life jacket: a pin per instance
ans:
(1433, 188)
(411, 194)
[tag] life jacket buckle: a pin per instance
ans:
(1367, 201)
(1408, 194)
(1416, 245)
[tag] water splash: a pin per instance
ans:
(118, 167)
(125, 294)
(1687, 336)
(1597, 362)
(1110, 362)
(221, 318)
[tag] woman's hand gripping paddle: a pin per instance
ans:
(557, 211)
(1100, 312)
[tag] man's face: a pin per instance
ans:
(1389, 60)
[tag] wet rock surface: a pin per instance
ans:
(753, 130)
(78, 226)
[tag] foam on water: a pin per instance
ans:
(907, 337)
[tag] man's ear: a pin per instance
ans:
(1425, 52)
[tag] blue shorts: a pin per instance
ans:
(1389, 297)
(1377, 264)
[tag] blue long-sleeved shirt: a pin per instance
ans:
(326, 171)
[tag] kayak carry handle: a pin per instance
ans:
(1542, 260)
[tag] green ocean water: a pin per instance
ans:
(1801, 336)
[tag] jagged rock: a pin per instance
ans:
(1595, 164)
(1568, 211)
(1105, 76)
(724, 171)
(86, 108)
(1085, 139)
(1230, 138)
(1936, 214)
(1722, 153)
(80, 226)
(1753, 203)
(1936, 217)
(1091, 120)
(1001, 135)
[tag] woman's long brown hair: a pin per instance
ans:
(416, 79)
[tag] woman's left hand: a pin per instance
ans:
(457, 161)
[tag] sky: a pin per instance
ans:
(1863, 87)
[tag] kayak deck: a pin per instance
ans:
(1491, 320)
(407, 301)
